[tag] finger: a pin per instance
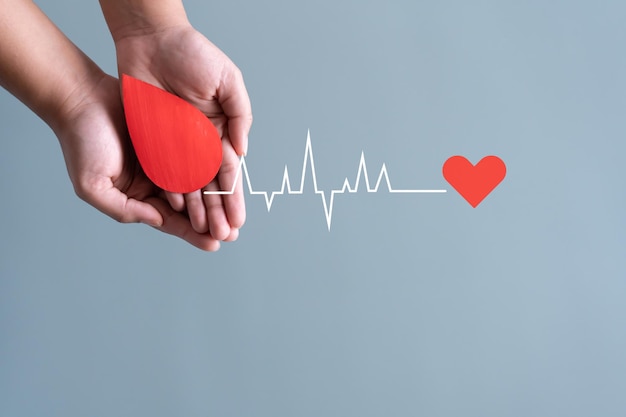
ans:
(197, 212)
(230, 173)
(178, 225)
(218, 222)
(234, 234)
(176, 200)
(233, 97)
(112, 202)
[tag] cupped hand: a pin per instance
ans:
(184, 62)
(104, 170)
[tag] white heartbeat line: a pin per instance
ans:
(327, 203)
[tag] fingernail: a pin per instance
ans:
(153, 223)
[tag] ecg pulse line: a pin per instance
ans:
(328, 203)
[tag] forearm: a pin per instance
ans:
(38, 64)
(137, 17)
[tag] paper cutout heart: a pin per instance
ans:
(474, 182)
(177, 146)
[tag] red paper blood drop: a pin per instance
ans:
(177, 146)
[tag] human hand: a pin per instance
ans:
(48, 73)
(104, 170)
(182, 61)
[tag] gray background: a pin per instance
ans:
(411, 305)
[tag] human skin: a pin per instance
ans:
(155, 42)
(82, 105)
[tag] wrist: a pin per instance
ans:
(132, 18)
(78, 90)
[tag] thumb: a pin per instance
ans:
(233, 97)
(120, 207)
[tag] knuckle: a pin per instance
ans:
(124, 217)
(86, 187)
(82, 189)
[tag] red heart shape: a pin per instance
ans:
(474, 182)
(177, 146)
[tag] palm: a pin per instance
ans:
(97, 151)
(184, 62)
